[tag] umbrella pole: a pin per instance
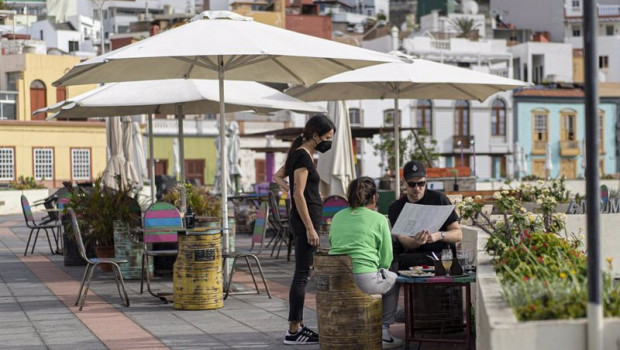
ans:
(179, 110)
(152, 158)
(223, 163)
(595, 309)
(396, 122)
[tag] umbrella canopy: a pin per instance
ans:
(162, 96)
(226, 41)
(336, 166)
(116, 163)
(133, 179)
(418, 78)
(223, 44)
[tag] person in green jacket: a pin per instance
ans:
(364, 234)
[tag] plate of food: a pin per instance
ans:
(415, 273)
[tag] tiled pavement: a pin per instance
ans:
(37, 294)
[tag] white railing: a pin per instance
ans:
(190, 127)
(18, 47)
(440, 45)
(501, 72)
(608, 10)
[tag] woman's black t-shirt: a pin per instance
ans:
(300, 158)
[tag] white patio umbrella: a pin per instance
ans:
(336, 166)
(548, 160)
(176, 163)
(419, 79)
(139, 154)
(164, 96)
(216, 44)
(133, 179)
(115, 166)
(219, 187)
(523, 161)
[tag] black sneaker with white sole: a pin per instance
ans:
(304, 336)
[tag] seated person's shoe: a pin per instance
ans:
(305, 336)
(392, 343)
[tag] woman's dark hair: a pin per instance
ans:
(360, 191)
(318, 124)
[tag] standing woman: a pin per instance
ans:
(305, 217)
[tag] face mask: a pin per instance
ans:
(324, 146)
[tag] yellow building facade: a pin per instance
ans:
(49, 151)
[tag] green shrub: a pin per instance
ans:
(25, 183)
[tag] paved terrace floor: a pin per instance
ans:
(37, 294)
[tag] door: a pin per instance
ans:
(260, 166)
(568, 168)
(538, 168)
(195, 171)
(161, 167)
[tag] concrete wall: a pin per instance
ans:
(13, 204)
(498, 329)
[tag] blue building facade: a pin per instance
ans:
(555, 119)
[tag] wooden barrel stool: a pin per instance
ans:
(348, 318)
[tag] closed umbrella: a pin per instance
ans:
(222, 44)
(114, 173)
(176, 163)
(523, 161)
(336, 166)
(517, 161)
(139, 154)
(548, 160)
(418, 78)
(234, 146)
(133, 179)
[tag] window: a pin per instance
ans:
(498, 167)
(74, 46)
(260, 174)
(210, 116)
(609, 30)
(424, 114)
(11, 80)
(7, 163)
(576, 4)
(43, 163)
(8, 105)
(603, 62)
(37, 98)
(41, 35)
(569, 125)
(388, 117)
(461, 118)
(355, 116)
(498, 118)
(576, 31)
(540, 126)
(80, 164)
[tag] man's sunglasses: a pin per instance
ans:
(413, 184)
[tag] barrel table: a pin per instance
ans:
(197, 278)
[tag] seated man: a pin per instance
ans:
(413, 250)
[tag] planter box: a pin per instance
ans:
(498, 329)
(13, 204)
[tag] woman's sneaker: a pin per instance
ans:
(392, 343)
(305, 336)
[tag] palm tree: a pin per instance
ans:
(466, 27)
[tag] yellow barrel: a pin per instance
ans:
(348, 318)
(198, 271)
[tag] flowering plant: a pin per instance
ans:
(542, 270)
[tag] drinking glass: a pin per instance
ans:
(446, 260)
(463, 256)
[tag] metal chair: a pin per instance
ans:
(92, 263)
(33, 225)
(281, 227)
(258, 237)
(159, 216)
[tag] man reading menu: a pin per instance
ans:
(410, 250)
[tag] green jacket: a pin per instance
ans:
(363, 234)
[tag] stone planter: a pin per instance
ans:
(128, 248)
(497, 327)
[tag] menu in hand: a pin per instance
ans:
(417, 217)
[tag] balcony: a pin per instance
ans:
(569, 148)
(539, 147)
(464, 141)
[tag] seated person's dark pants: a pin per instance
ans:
(405, 258)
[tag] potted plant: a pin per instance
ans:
(97, 209)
